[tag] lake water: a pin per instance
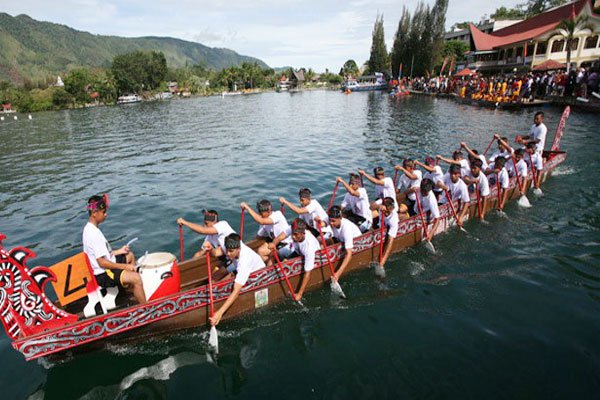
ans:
(513, 315)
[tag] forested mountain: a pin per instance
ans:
(34, 50)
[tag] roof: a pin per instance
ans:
(525, 30)
(299, 75)
(549, 65)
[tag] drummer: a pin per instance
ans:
(274, 229)
(244, 261)
(306, 245)
(111, 267)
(216, 231)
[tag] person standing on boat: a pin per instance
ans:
(343, 231)
(274, 229)
(537, 133)
(111, 267)
(477, 178)
(244, 261)
(409, 184)
(384, 187)
(392, 222)
(457, 190)
(216, 231)
(356, 205)
(458, 158)
(429, 207)
(310, 211)
(306, 245)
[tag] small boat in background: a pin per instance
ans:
(128, 99)
(365, 83)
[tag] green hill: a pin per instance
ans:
(31, 49)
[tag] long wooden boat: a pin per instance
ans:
(40, 328)
(502, 105)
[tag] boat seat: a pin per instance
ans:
(75, 280)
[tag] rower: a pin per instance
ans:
(408, 185)
(244, 261)
(458, 158)
(429, 206)
(518, 166)
(392, 223)
(306, 245)
(274, 229)
(501, 179)
(474, 155)
(503, 151)
(216, 231)
(384, 187)
(110, 267)
(537, 133)
(356, 205)
(343, 231)
(477, 178)
(457, 189)
(434, 173)
(310, 211)
(537, 161)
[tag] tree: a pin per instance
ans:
(455, 48)
(399, 53)
(78, 83)
(461, 25)
(503, 13)
(535, 7)
(438, 21)
(379, 60)
(349, 68)
(570, 27)
(140, 70)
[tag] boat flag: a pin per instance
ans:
(400, 72)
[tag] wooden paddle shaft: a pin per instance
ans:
(280, 267)
(421, 215)
(210, 291)
(242, 225)
(181, 247)
(335, 188)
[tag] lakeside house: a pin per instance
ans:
(536, 40)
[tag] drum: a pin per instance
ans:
(160, 275)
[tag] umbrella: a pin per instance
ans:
(465, 72)
(549, 65)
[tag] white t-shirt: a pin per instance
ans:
(406, 183)
(95, 246)
(428, 203)
(359, 205)
(247, 263)
(483, 161)
(521, 167)
(464, 167)
(386, 190)
(308, 248)
(346, 233)
(457, 191)
(280, 225)
(498, 153)
(391, 223)
(503, 178)
(537, 160)
(482, 183)
(538, 132)
(218, 240)
(436, 176)
(315, 211)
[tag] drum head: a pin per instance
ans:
(156, 260)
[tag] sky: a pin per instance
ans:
(316, 34)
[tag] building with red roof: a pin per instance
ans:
(536, 40)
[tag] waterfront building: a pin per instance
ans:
(535, 40)
(486, 26)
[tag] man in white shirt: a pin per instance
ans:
(457, 190)
(537, 133)
(343, 231)
(503, 151)
(392, 223)
(111, 267)
(409, 183)
(518, 167)
(535, 162)
(433, 173)
(384, 186)
(274, 229)
(306, 245)
(474, 155)
(499, 177)
(216, 231)
(429, 207)
(482, 187)
(244, 261)
(458, 158)
(356, 205)
(310, 211)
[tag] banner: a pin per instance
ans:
(444, 65)
(451, 66)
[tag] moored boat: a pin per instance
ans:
(129, 99)
(39, 327)
(366, 83)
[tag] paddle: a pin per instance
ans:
(378, 266)
(282, 271)
(181, 255)
(213, 337)
(454, 211)
(523, 200)
(537, 191)
(395, 178)
(334, 285)
(428, 244)
(500, 212)
(489, 146)
(335, 188)
(282, 208)
(242, 225)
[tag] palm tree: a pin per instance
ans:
(570, 27)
